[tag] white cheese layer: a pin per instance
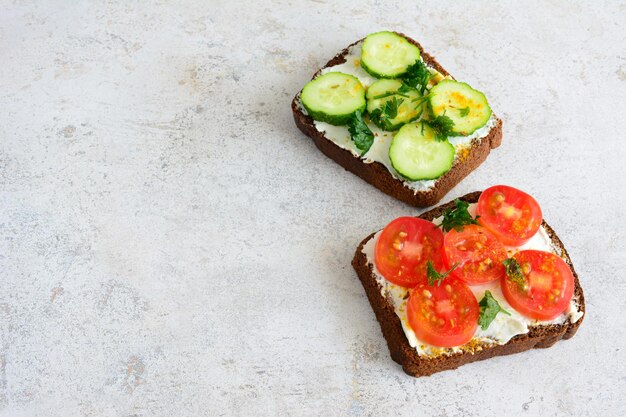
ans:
(502, 328)
(379, 152)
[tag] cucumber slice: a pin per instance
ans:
(333, 97)
(405, 102)
(387, 55)
(417, 155)
(468, 108)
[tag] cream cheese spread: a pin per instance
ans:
(379, 151)
(502, 328)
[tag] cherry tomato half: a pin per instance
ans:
(478, 253)
(510, 214)
(404, 248)
(548, 288)
(445, 315)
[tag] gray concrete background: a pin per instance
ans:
(171, 245)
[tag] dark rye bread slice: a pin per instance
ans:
(405, 355)
(376, 173)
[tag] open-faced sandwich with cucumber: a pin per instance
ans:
(388, 112)
(479, 277)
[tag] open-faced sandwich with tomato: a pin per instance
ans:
(481, 276)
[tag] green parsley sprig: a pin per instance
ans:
(443, 127)
(383, 116)
(417, 75)
(489, 309)
(360, 133)
(514, 272)
(457, 217)
(435, 277)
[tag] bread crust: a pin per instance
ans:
(376, 173)
(405, 355)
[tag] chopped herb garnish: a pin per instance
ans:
(436, 277)
(457, 217)
(361, 134)
(514, 272)
(404, 89)
(417, 75)
(442, 125)
(489, 309)
(463, 112)
(389, 111)
(391, 107)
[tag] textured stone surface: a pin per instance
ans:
(171, 244)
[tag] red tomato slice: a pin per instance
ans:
(549, 285)
(404, 248)
(478, 253)
(445, 315)
(510, 214)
